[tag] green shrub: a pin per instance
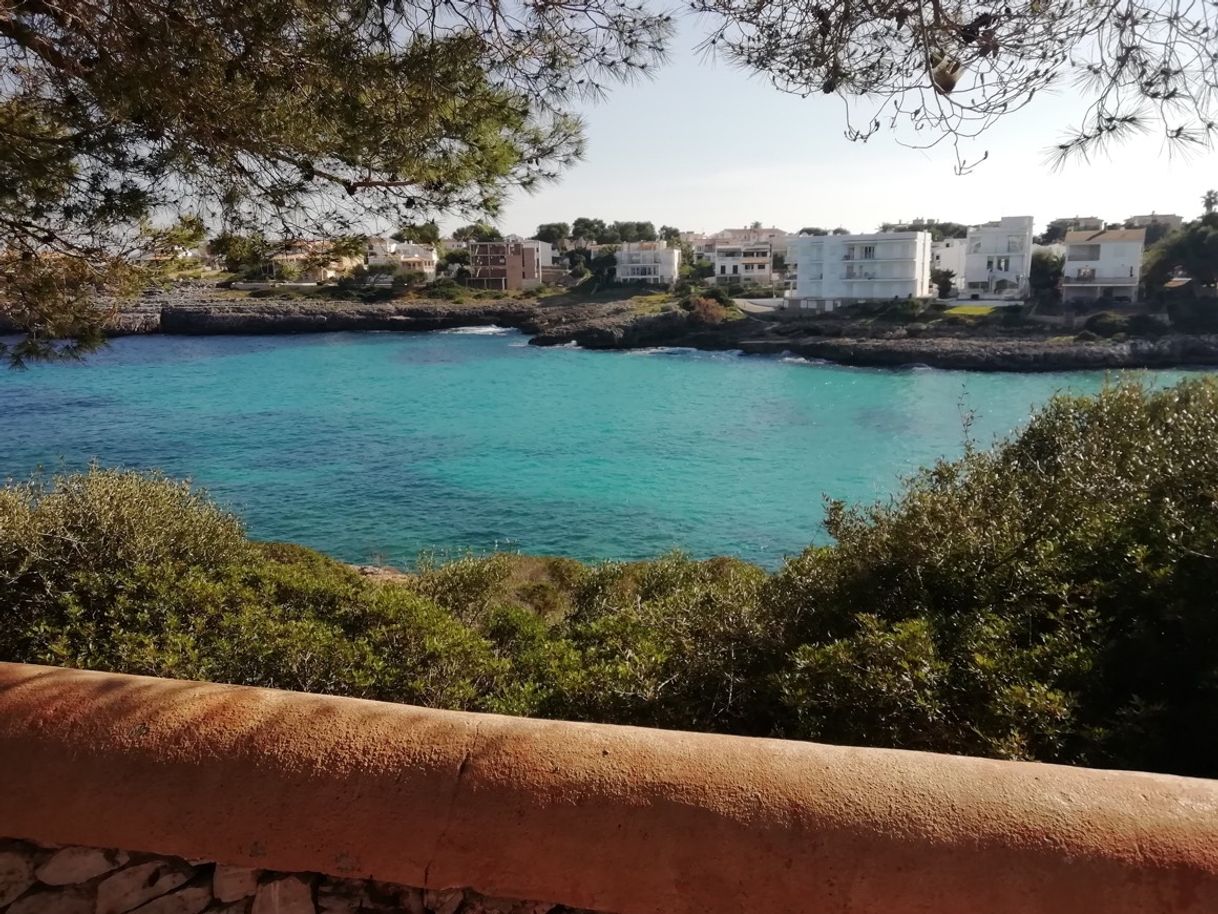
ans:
(1049, 599)
(1062, 578)
(1146, 325)
(901, 311)
(1105, 323)
(1012, 317)
(466, 587)
(1199, 315)
(444, 288)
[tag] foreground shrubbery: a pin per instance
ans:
(1051, 599)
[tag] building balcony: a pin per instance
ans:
(122, 791)
(1100, 280)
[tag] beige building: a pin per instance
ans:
(504, 265)
(744, 263)
(315, 261)
(1170, 220)
(775, 237)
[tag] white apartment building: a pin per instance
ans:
(834, 270)
(651, 262)
(545, 251)
(999, 258)
(1171, 220)
(743, 263)
(948, 254)
(1103, 265)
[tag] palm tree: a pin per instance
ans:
(1210, 201)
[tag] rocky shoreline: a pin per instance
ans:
(619, 325)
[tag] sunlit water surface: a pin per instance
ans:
(373, 447)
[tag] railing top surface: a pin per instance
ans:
(608, 818)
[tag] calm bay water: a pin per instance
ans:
(372, 447)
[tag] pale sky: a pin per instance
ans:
(705, 146)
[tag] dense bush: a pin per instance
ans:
(708, 311)
(445, 288)
(1105, 323)
(1146, 325)
(1194, 315)
(1049, 599)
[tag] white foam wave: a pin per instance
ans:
(488, 330)
(791, 358)
(687, 352)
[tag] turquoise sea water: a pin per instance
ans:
(373, 447)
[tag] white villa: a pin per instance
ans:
(743, 263)
(834, 270)
(999, 258)
(413, 258)
(651, 262)
(1103, 264)
(948, 254)
(1171, 220)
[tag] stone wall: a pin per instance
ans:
(86, 880)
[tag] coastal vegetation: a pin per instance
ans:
(335, 113)
(1050, 598)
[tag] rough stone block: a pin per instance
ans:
(190, 899)
(78, 864)
(131, 887)
(285, 895)
(233, 882)
(73, 900)
(510, 906)
(443, 902)
(16, 875)
(398, 899)
(341, 897)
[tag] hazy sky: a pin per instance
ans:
(705, 146)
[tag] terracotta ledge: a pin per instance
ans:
(609, 818)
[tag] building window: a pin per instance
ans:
(735, 269)
(1014, 244)
(1083, 252)
(869, 252)
(723, 269)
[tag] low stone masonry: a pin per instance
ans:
(86, 880)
